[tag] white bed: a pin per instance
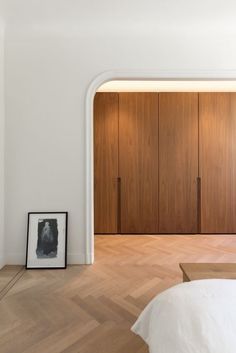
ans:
(192, 317)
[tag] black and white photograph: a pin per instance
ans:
(46, 240)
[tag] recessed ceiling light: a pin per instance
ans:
(168, 86)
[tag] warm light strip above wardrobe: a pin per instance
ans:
(168, 86)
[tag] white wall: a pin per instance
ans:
(49, 67)
(2, 127)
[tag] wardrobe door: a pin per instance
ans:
(217, 113)
(178, 162)
(105, 162)
(138, 162)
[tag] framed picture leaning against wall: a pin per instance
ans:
(46, 240)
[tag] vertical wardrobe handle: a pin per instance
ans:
(118, 204)
(199, 204)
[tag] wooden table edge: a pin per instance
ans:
(185, 276)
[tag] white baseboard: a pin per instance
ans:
(72, 258)
(76, 258)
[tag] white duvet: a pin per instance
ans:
(192, 317)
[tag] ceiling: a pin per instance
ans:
(168, 86)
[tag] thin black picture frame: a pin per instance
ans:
(27, 242)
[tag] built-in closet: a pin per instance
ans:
(165, 163)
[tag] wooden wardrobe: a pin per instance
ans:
(138, 162)
(165, 163)
(178, 162)
(217, 153)
(106, 127)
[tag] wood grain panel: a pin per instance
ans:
(138, 161)
(217, 113)
(105, 162)
(178, 162)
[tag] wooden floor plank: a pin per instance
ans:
(7, 273)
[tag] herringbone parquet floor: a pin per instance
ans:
(90, 309)
(8, 275)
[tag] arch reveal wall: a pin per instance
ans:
(55, 59)
(2, 146)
